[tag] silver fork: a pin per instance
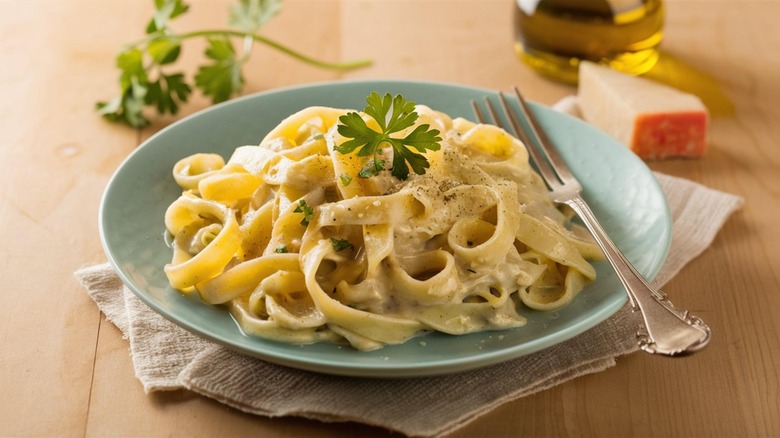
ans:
(667, 330)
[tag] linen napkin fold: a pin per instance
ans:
(167, 357)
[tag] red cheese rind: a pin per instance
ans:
(663, 135)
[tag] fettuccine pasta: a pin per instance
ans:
(303, 249)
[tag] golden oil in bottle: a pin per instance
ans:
(552, 36)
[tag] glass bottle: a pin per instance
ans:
(552, 36)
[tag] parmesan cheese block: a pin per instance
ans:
(653, 120)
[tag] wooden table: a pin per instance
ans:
(66, 371)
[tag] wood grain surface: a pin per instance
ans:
(66, 371)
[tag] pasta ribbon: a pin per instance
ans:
(189, 171)
(215, 255)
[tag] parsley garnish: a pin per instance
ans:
(340, 244)
(145, 78)
(307, 211)
(282, 250)
(403, 115)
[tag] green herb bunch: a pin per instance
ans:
(147, 77)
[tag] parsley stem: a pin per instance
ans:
(246, 51)
(269, 42)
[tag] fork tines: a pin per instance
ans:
(543, 154)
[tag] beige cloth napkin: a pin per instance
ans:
(167, 357)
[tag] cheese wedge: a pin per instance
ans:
(654, 120)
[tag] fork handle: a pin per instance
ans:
(667, 330)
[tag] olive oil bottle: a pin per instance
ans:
(552, 36)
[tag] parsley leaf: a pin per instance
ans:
(223, 77)
(340, 244)
(131, 65)
(392, 114)
(164, 50)
(133, 82)
(307, 211)
(282, 250)
(165, 11)
(165, 92)
(251, 15)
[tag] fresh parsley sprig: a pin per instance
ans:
(392, 114)
(146, 79)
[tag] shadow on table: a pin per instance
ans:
(675, 72)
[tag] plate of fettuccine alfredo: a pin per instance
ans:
(374, 229)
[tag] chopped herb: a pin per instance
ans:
(402, 116)
(372, 168)
(307, 211)
(345, 179)
(340, 244)
(282, 250)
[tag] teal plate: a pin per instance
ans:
(621, 190)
